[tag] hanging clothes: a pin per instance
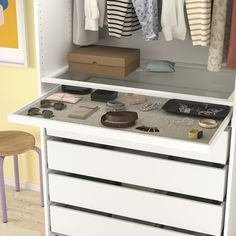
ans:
(231, 58)
(81, 36)
(94, 14)
(173, 20)
(199, 17)
(149, 15)
(227, 29)
(216, 49)
(121, 17)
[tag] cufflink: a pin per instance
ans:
(195, 134)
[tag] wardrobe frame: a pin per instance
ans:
(53, 31)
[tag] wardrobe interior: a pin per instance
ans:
(55, 24)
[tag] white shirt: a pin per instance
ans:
(81, 36)
(94, 14)
(173, 19)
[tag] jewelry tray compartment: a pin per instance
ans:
(171, 140)
(196, 109)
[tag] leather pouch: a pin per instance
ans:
(76, 90)
(83, 112)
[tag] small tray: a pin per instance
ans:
(197, 109)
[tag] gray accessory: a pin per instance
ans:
(115, 106)
(160, 66)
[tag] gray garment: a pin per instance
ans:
(81, 36)
(149, 15)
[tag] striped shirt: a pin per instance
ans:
(121, 17)
(199, 17)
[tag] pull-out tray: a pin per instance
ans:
(171, 140)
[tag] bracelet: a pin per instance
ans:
(208, 123)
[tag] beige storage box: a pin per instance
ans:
(104, 61)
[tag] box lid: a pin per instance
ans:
(101, 55)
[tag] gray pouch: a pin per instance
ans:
(160, 66)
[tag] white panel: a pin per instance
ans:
(54, 30)
(152, 207)
(189, 82)
(87, 224)
(217, 154)
(174, 176)
(230, 212)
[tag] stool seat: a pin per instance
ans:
(15, 142)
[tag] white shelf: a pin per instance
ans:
(189, 82)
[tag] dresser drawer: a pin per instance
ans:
(87, 224)
(157, 208)
(169, 175)
(217, 151)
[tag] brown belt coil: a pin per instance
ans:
(119, 119)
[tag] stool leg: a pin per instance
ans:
(16, 172)
(2, 191)
(36, 149)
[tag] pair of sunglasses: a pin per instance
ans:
(56, 105)
(34, 111)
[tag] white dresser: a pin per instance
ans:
(111, 182)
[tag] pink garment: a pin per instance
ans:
(1, 15)
(231, 59)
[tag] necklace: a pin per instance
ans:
(184, 122)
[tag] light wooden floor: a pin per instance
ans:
(25, 215)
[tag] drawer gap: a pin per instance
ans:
(137, 152)
(136, 187)
(105, 214)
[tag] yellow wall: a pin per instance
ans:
(17, 88)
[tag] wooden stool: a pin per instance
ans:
(13, 143)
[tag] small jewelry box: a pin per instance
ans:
(104, 61)
(103, 95)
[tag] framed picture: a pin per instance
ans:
(13, 43)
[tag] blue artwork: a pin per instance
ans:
(3, 7)
(4, 4)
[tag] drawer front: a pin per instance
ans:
(216, 152)
(157, 208)
(213, 147)
(163, 174)
(87, 224)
